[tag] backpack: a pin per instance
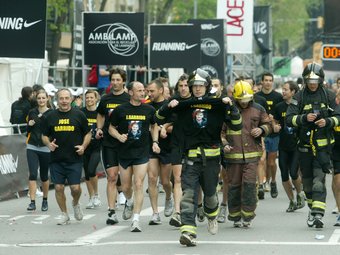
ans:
(92, 78)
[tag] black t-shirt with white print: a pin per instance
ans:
(135, 122)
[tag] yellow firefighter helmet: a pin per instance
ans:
(243, 91)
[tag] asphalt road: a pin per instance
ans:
(273, 231)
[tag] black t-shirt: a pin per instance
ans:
(336, 148)
(105, 107)
(135, 122)
(288, 139)
(260, 100)
(164, 143)
(273, 98)
(92, 120)
(34, 132)
(68, 129)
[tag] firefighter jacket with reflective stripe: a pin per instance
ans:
(201, 123)
(322, 102)
(245, 147)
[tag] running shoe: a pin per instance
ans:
(128, 211)
(112, 218)
(238, 224)
(273, 190)
(155, 219)
(96, 201)
(310, 220)
(335, 210)
(160, 188)
(187, 239)
(90, 204)
(78, 213)
(135, 227)
(31, 207)
(176, 220)
(200, 214)
(291, 207)
(318, 223)
(63, 219)
(337, 223)
(246, 223)
(222, 214)
(212, 226)
(44, 206)
(121, 198)
(260, 192)
(169, 207)
(300, 201)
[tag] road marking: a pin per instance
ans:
(335, 236)
(84, 242)
(100, 234)
(5, 216)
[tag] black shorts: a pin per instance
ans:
(176, 156)
(164, 158)
(336, 166)
(125, 163)
(62, 172)
(109, 157)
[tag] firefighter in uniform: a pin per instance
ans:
(202, 118)
(242, 151)
(314, 112)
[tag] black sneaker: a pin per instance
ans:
(44, 206)
(187, 239)
(31, 207)
(112, 218)
(260, 192)
(273, 190)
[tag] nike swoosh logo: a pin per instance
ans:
(188, 47)
(31, 23)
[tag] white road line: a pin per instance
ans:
(100, 234)
(91, 241)
(5, 216)
(335, 236)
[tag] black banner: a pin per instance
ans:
(212, 46)
(22, 28)
(113, 38)
(261, 33)
(13, 165)
(175, 46)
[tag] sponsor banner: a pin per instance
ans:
(22, 28)
(13, 165)
(261, 26)
(212, 46)
(174, 46)
(238, 19)
(113, 38)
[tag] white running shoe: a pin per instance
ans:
(169, 207)
(121, 198)
(135, 227)
(212, 226)
(78, 213)
(63, 219)
(96, 201)
(90, 204)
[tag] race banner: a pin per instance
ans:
(261, 26)
(212, 46)
(22, 28)
(13, 165)
(113, 38)
(174, 46)
(238, 19)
